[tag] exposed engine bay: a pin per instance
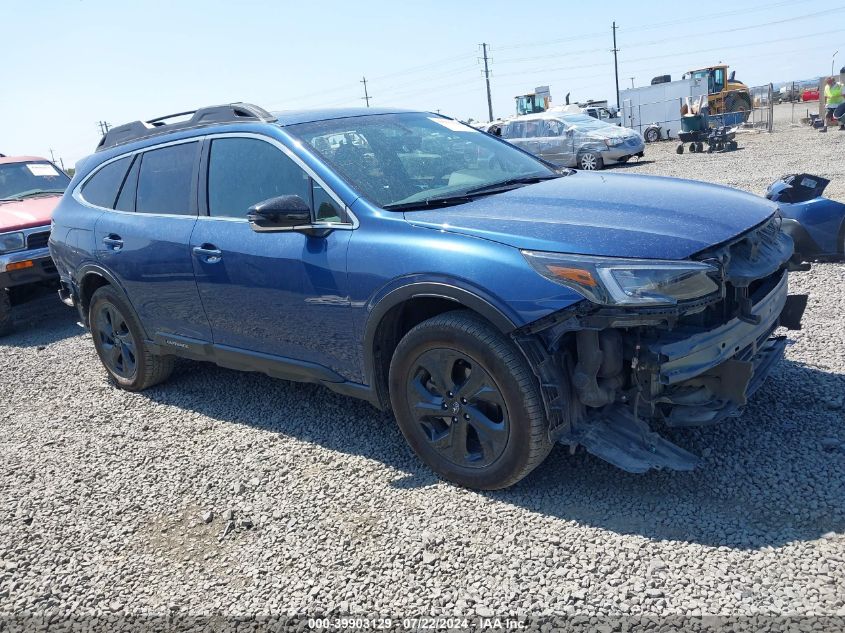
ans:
(607, 371)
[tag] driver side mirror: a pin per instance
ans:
(279, 214)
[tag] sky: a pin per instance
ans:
(72, 63)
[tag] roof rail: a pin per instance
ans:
(211, 115)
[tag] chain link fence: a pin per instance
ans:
(652, 107)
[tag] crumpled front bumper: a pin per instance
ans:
(705, 377)
(622, 152)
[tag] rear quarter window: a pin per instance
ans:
(101, 189)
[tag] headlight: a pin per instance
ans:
(12, 242)
(616, 281)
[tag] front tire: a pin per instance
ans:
(120, 343)
(6, 321)
(590, 161)
(467, 402)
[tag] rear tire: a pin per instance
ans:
(652, 135)
(467, 402)
(120, 343)
(6, 322)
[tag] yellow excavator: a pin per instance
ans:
(538, 101)
(725, 93)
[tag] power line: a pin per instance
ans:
(437, 66)
(641, 69)
(711, 16)
(664, 56)
(414, 69)
(685, 37)
(647, 27)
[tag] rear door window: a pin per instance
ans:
(165, 180)
(102, 188)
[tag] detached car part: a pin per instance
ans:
(816, 224)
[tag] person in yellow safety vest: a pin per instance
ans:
(832, 96)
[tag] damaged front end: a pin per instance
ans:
(606, 371)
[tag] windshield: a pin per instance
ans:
(398, 159)
(23, 180)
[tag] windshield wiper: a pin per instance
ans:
(40, 192)
(511, 183)
(444, 201)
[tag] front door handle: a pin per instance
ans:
(113, 242)
(208, 253)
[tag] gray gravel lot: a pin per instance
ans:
(115, 503)
(761, 158)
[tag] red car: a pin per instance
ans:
(30, 188)
(810, 94)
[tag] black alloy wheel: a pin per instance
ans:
(118, 348)
(459, 408)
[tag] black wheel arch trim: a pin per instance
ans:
(385, 301)
(92, 268)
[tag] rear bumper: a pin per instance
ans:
(26, 267)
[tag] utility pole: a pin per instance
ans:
(632, 82)
(366, 96)
(616, 64)
(52, 157)
(487, 79)
(104, 127)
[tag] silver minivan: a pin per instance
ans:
(573, 140)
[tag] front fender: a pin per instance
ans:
(441, 286)
(409, 287)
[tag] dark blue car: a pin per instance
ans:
(495, 303)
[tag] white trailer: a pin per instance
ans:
(660, 104)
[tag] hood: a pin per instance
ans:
(27, 213)
(614, 132)
(611, 215)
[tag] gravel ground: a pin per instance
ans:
(761, 158)
(235, 494)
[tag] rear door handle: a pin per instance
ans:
(208, 253)
(113, 242)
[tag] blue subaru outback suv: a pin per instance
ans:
(494, 303)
